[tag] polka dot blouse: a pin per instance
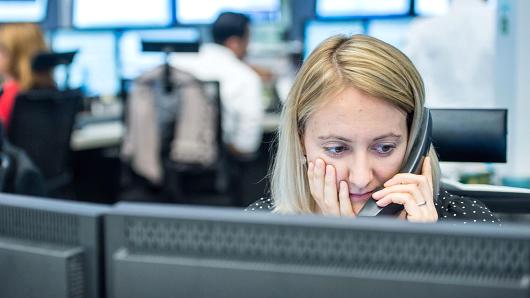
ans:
(449, 207)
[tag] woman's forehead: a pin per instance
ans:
(354, 112)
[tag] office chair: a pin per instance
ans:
(216, 174)
(5, 162)
(41, 124)
(470, 135)
(477, 135)
(18, 174)
(42, 121)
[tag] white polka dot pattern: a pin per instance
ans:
(465, 210)
(262, 204)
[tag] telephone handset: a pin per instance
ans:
(419, 150)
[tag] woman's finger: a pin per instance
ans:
(330, 191)
(405, 199)
(412, 189)
(406, 178)
(310, 170)
(421, 181)
(310, 179)
(318, 178)
(345, 205)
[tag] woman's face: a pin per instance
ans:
(363, 137)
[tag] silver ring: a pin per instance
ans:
(422, 203)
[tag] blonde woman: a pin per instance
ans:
(19, 43)
(347, 128)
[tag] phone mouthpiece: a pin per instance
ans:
(370, 208)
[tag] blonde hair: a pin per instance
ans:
(365, 63)
(22, 42)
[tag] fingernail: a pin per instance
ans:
(379, 203)
(376, 194)
(319, 163)
(329, 170)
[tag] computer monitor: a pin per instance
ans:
(170, 251)
(316, 31)
(393, 30)
(206, 11)
(50, 248)
(94, 67)
(134, 61)
(361, 8)
(23, 11)
(89, 14)
(431, 7)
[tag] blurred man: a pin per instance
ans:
(241, 86)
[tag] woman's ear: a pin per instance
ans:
(302, 145)
(304, 158)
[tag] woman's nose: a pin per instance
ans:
(360, 174)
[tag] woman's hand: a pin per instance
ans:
(323, 185)
(414, 192)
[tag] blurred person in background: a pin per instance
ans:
(241, 86)
(455, 55)
(19, 43)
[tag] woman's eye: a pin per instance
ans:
(335, 149)
(385, 148)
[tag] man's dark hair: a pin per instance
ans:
(229, 24)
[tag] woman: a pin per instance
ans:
(347, 129)
(19, 43)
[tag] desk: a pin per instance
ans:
(97, 135)
(110, 133)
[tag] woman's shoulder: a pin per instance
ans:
(263, 204)
(467, 210)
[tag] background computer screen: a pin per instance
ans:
(206, 11)
(317, 31)
(393, 31)
(134, 62)
(163, 251)
(431, 7)
(361, 8)
(23, 11)
(121, 13)
(94, 67)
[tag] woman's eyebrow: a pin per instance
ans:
(334, 137)
(388, 135)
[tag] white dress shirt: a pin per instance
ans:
(241, 93)
(455, 54)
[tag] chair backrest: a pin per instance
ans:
(470, 135)
(41, 124)
(212, 92)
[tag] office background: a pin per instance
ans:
(65, 248)
(107, 35)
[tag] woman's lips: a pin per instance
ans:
(360, 197)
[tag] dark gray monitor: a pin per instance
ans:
(169, 251)
(50, 248)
